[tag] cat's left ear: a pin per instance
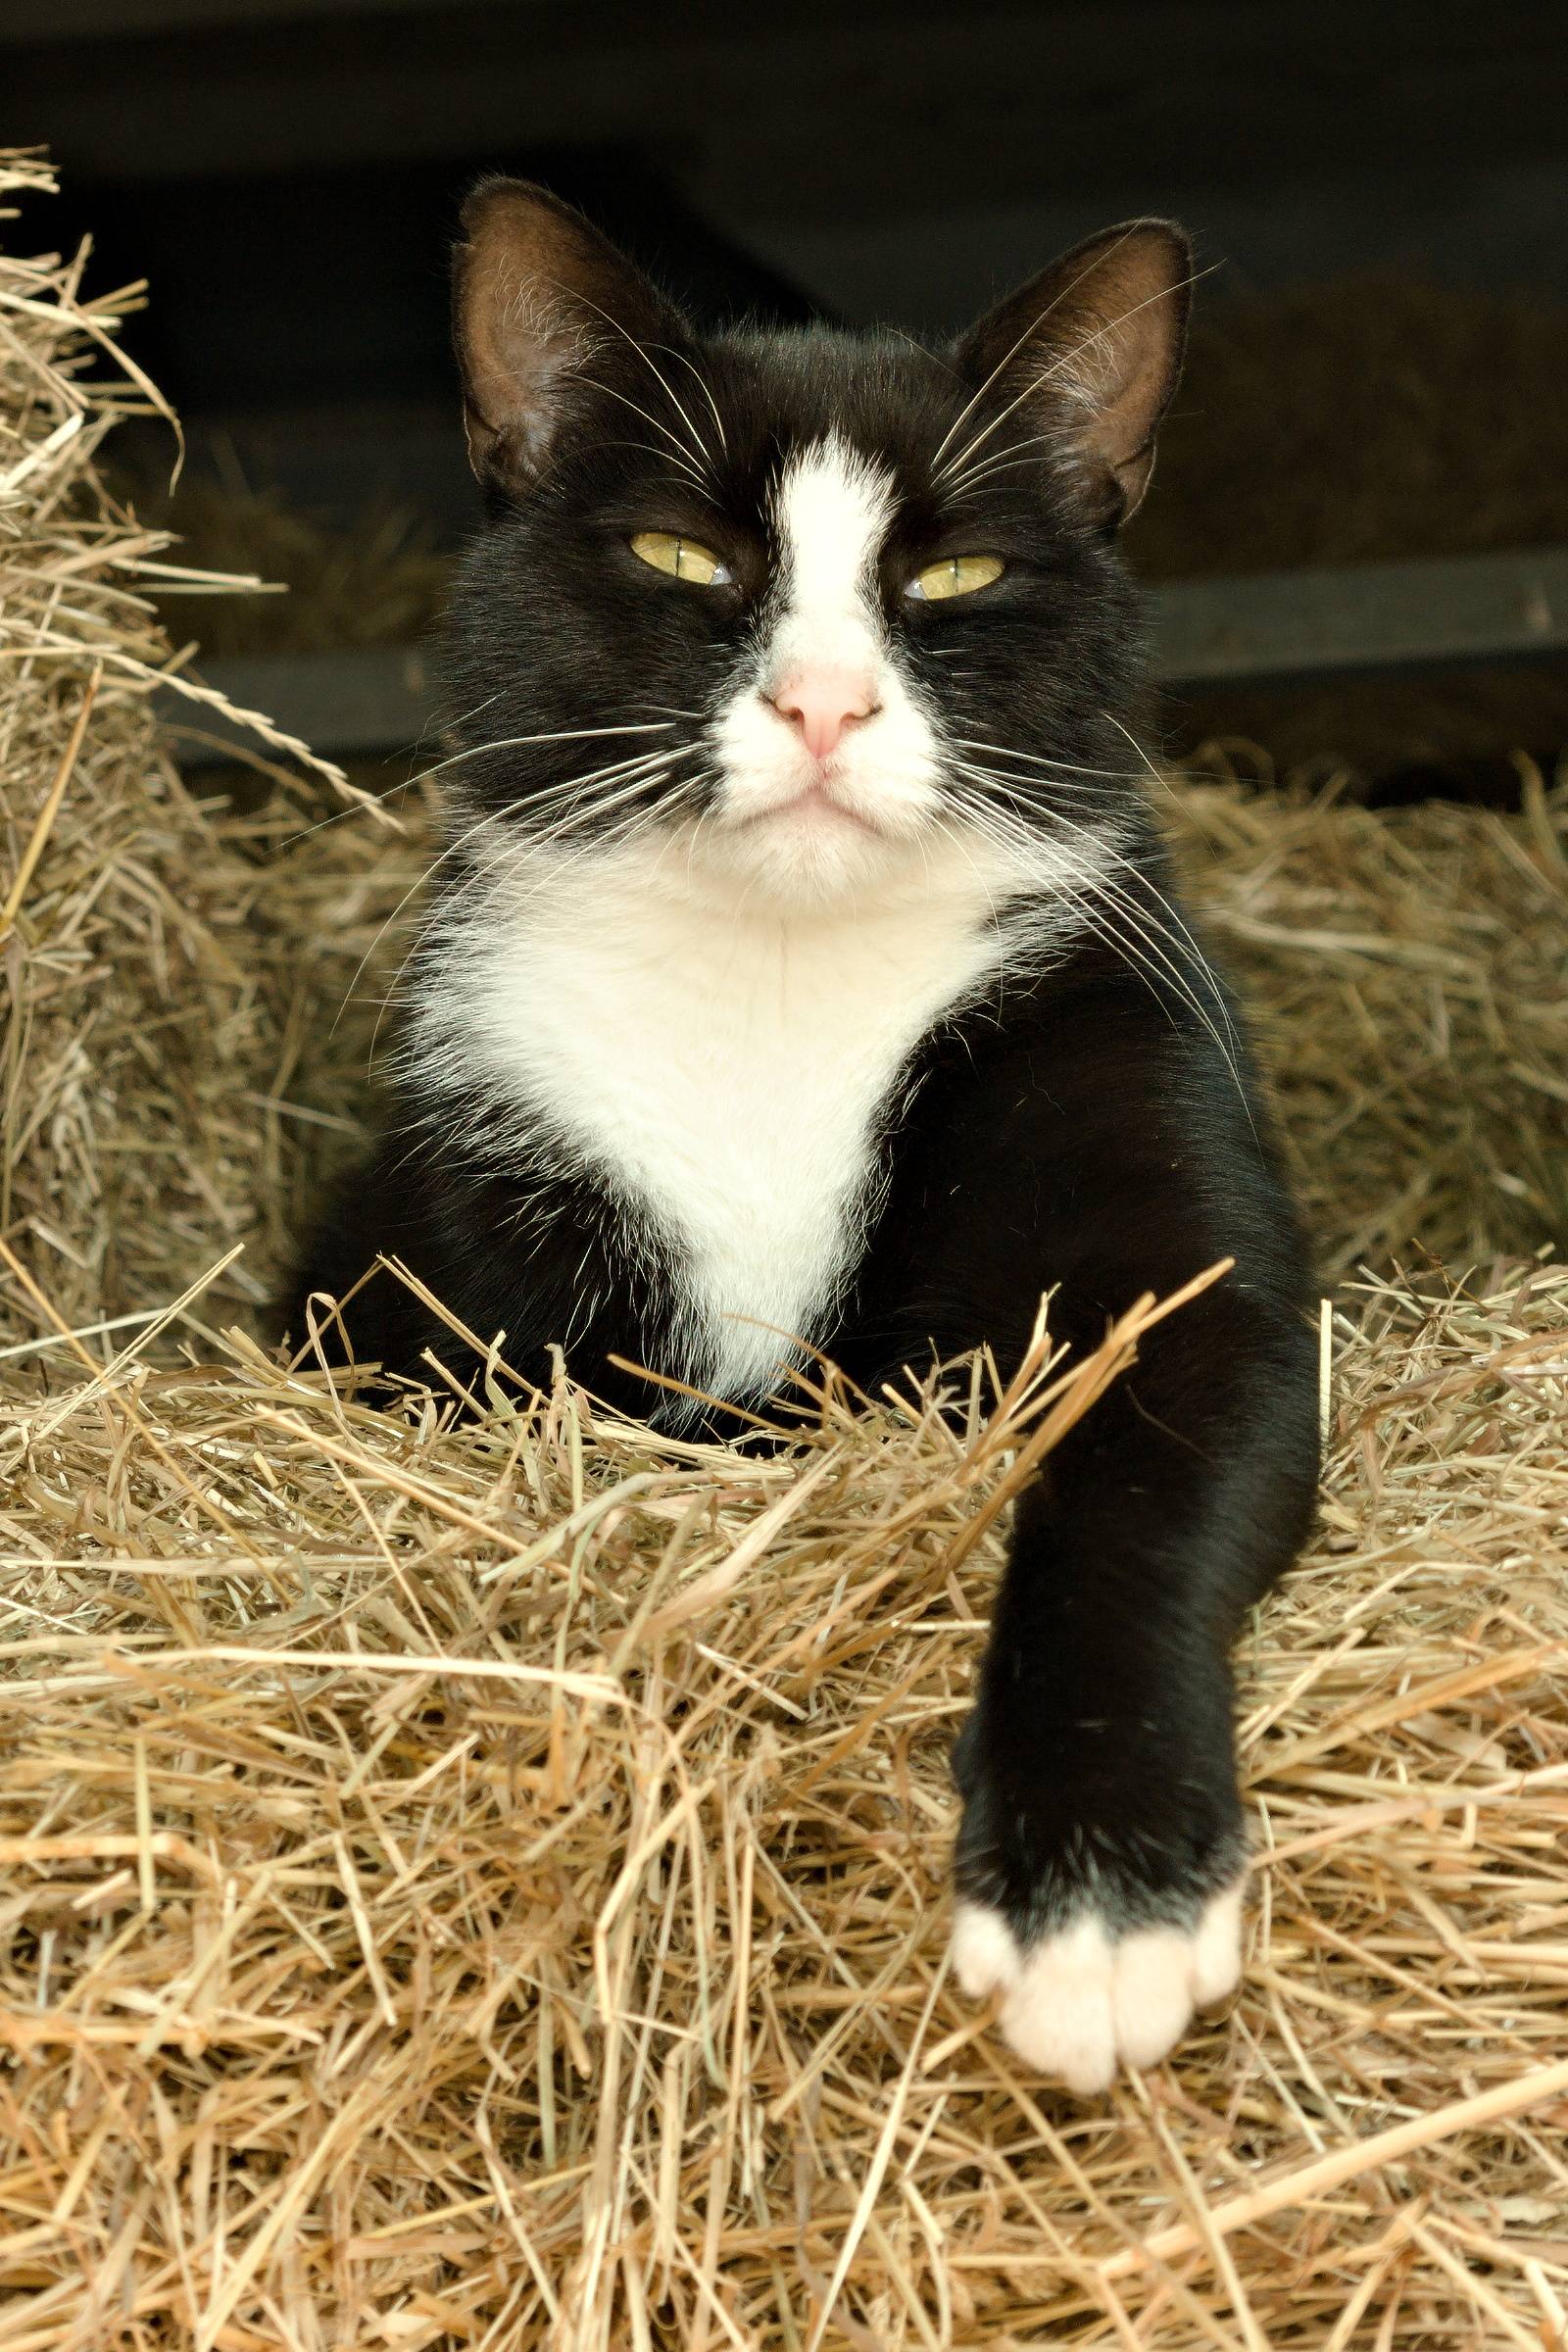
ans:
(1090, 352)
(540, 301)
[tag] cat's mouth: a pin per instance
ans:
(814, 805)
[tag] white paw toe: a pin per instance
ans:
(1077, 2004)
(1217, 1948)
(1059, 2016)
(1152, 1996)
(985, 1957)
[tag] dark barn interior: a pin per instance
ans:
(1379, 374)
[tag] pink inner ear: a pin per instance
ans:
(535, 286)
(1101, 333)
(1140, 370)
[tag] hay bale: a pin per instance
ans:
(483, 1883)
(1370, 418)
(1407, 969)
(377, 580)
(487, 1885)
(151, 1036)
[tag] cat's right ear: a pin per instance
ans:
(1086, 357)
(538, 295)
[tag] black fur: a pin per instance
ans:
(1088, 1129)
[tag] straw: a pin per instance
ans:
(484, 1883)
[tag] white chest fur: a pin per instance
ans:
(726, 1074)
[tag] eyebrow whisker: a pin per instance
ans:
(645, 354)
(682, 455)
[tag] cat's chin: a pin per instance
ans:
(806, 856)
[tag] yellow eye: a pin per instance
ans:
(956, 575)
(682, 558)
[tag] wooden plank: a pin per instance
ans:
(376, 699)
(1372, 617)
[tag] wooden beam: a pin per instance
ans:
(1370, 617)
(376, 699)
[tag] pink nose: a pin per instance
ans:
(824, 701)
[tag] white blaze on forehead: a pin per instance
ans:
(832, 509)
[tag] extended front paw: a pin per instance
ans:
(1085, 1998)
(1099, 1883)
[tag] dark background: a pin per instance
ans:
(286, 174)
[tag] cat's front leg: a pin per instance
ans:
(1101, 1852)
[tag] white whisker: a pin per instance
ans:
(522, 843)
(1064, 768)
(490, 818)
(681, 457)
(703, 386)
(1149, 953)
(699, 446)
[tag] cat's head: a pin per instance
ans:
(799, 612)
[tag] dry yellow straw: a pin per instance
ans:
(485, 1884)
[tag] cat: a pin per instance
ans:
(805, 967)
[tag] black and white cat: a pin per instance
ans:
(804, 960)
